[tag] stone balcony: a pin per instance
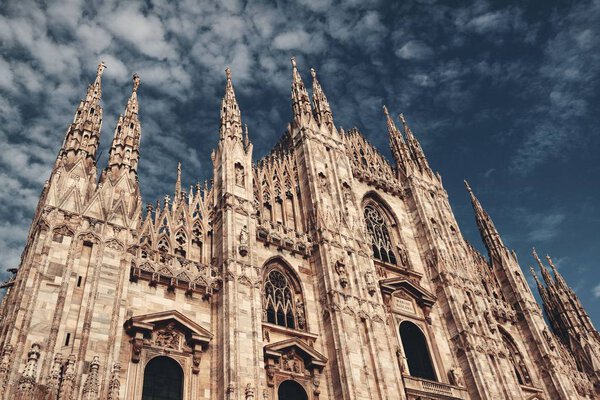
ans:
(417, 388)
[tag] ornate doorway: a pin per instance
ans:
(163, 380)
(291, 390)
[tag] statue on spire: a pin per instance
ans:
(136, 82)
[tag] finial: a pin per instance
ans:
(385, 111)
(179, 169)
(136, 82)
(313, 73)
(293, 62)
(466, 184)
(228, 73)
(101, 68)
(402, 118)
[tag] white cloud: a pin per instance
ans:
(414, 50)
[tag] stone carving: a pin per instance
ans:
(249, 392)
(68, 381)
(300, 314)
(371, 287)
(91, 386)
(4, 366)
(168, 338)
(455, 376)
(239, 174)
(340, 268)
(27, 383)
(114, 385)
(243, 247)
(136, 349)
(468, 313)
(54, 377)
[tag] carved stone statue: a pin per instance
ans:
(239, 175)
(455, 376)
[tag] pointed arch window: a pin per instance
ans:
(181, 244)
(163, 245)
(377, 227)
(283, 303)
(515, 357)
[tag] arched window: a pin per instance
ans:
(283, 303)
(516, 359)
(380, 235)
(181, 244)
(291, 390)
(163, 380)
(416, 351)
(163, 245)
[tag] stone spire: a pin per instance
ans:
(300, 101)
(539, 285)
(177, 196)
(558, 278)
(125, 149)
(545, 273)
(397, 143)
(414, 147)
(321, 106)
(568, 319)
(83, 135)
(231, 118)
(489, 233)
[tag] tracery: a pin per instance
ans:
(380, 235)
(282, 303)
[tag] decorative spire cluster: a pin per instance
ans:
(407, 152)
(125, 148)
(83, 135)
(566, 315)
(231, 118)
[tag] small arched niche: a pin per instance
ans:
(163, 380)
(291, 390)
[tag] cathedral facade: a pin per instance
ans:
(321, 271)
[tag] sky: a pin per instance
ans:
(504, 94)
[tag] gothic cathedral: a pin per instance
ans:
(320, 272)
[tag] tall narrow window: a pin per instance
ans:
(517, 360)
(282, 301)
(163, 380)
(416, 351)
(380, 236)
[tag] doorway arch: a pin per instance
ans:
(291, 390)
(416, 351)
(163, 380)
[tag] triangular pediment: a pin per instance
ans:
(312, 358)
(148, 322)
(416, 291)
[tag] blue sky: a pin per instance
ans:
(504, 94)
